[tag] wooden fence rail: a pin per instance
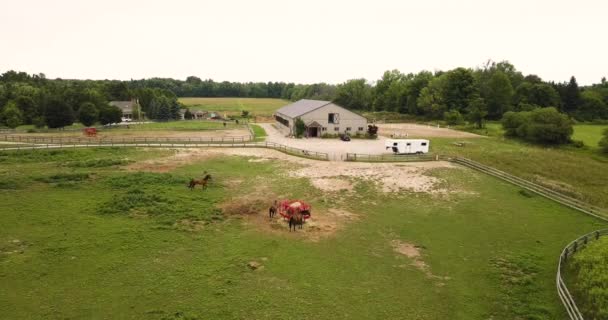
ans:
(562, 290)
(227, 144)
(393, 157)
(541, 190)
(122, 140)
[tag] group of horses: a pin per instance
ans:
(295, 215)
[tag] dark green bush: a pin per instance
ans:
(543, 125)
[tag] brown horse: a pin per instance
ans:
(203, 182)
(273, 209)
(295, 219)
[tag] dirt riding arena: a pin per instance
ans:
(410, 130)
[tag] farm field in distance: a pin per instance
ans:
(115, 233)
(234, 106)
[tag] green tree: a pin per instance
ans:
(11, 115)
(477, 111)
(540, 94)
(354, 94)
(390, 92)
(58, 114)
(87, 114)
(431, 101)
(414, 89)
(592, 107)
(499, 95)
(460, 89)
(28, 107)
(109, 114)
(300, 127)
(245, 114)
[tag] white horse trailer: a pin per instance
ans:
(408, 146)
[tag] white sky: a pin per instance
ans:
(301, 41)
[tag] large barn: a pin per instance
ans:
(320, 117)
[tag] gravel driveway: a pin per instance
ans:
(335, 148)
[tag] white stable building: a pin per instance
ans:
(320, 117)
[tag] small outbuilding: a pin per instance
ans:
(320, 117)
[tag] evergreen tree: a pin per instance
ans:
(572, 96)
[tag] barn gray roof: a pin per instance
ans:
(301, 107)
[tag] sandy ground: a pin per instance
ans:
(337, 149)
(339, 176)
(404, 130)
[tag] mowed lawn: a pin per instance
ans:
(83, 237)
(589, 134)
(234, 106)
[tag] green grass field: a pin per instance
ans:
(589, 134)
(233, 106)
(82, 237)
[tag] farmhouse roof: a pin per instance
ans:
(301, 107)
(124, 105)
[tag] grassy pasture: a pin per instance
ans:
(234, 106)
(83, 237)
(589, 134)
(579, 173)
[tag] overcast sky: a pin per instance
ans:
(300, 41)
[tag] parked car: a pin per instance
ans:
(344, 137)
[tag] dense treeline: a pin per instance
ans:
(487, 92)
(34, 99)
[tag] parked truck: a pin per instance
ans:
(408, 146)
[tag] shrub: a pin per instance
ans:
(453, 117)
(604, 142)
(300, 127)
(577, 143)
(372, 131)
(544, 125)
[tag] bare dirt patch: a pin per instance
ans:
(341, 175)
(410, 130)
(413, 252)
(332, 184)
(390, 177)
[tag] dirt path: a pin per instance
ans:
(337, 149)
(403, 130)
